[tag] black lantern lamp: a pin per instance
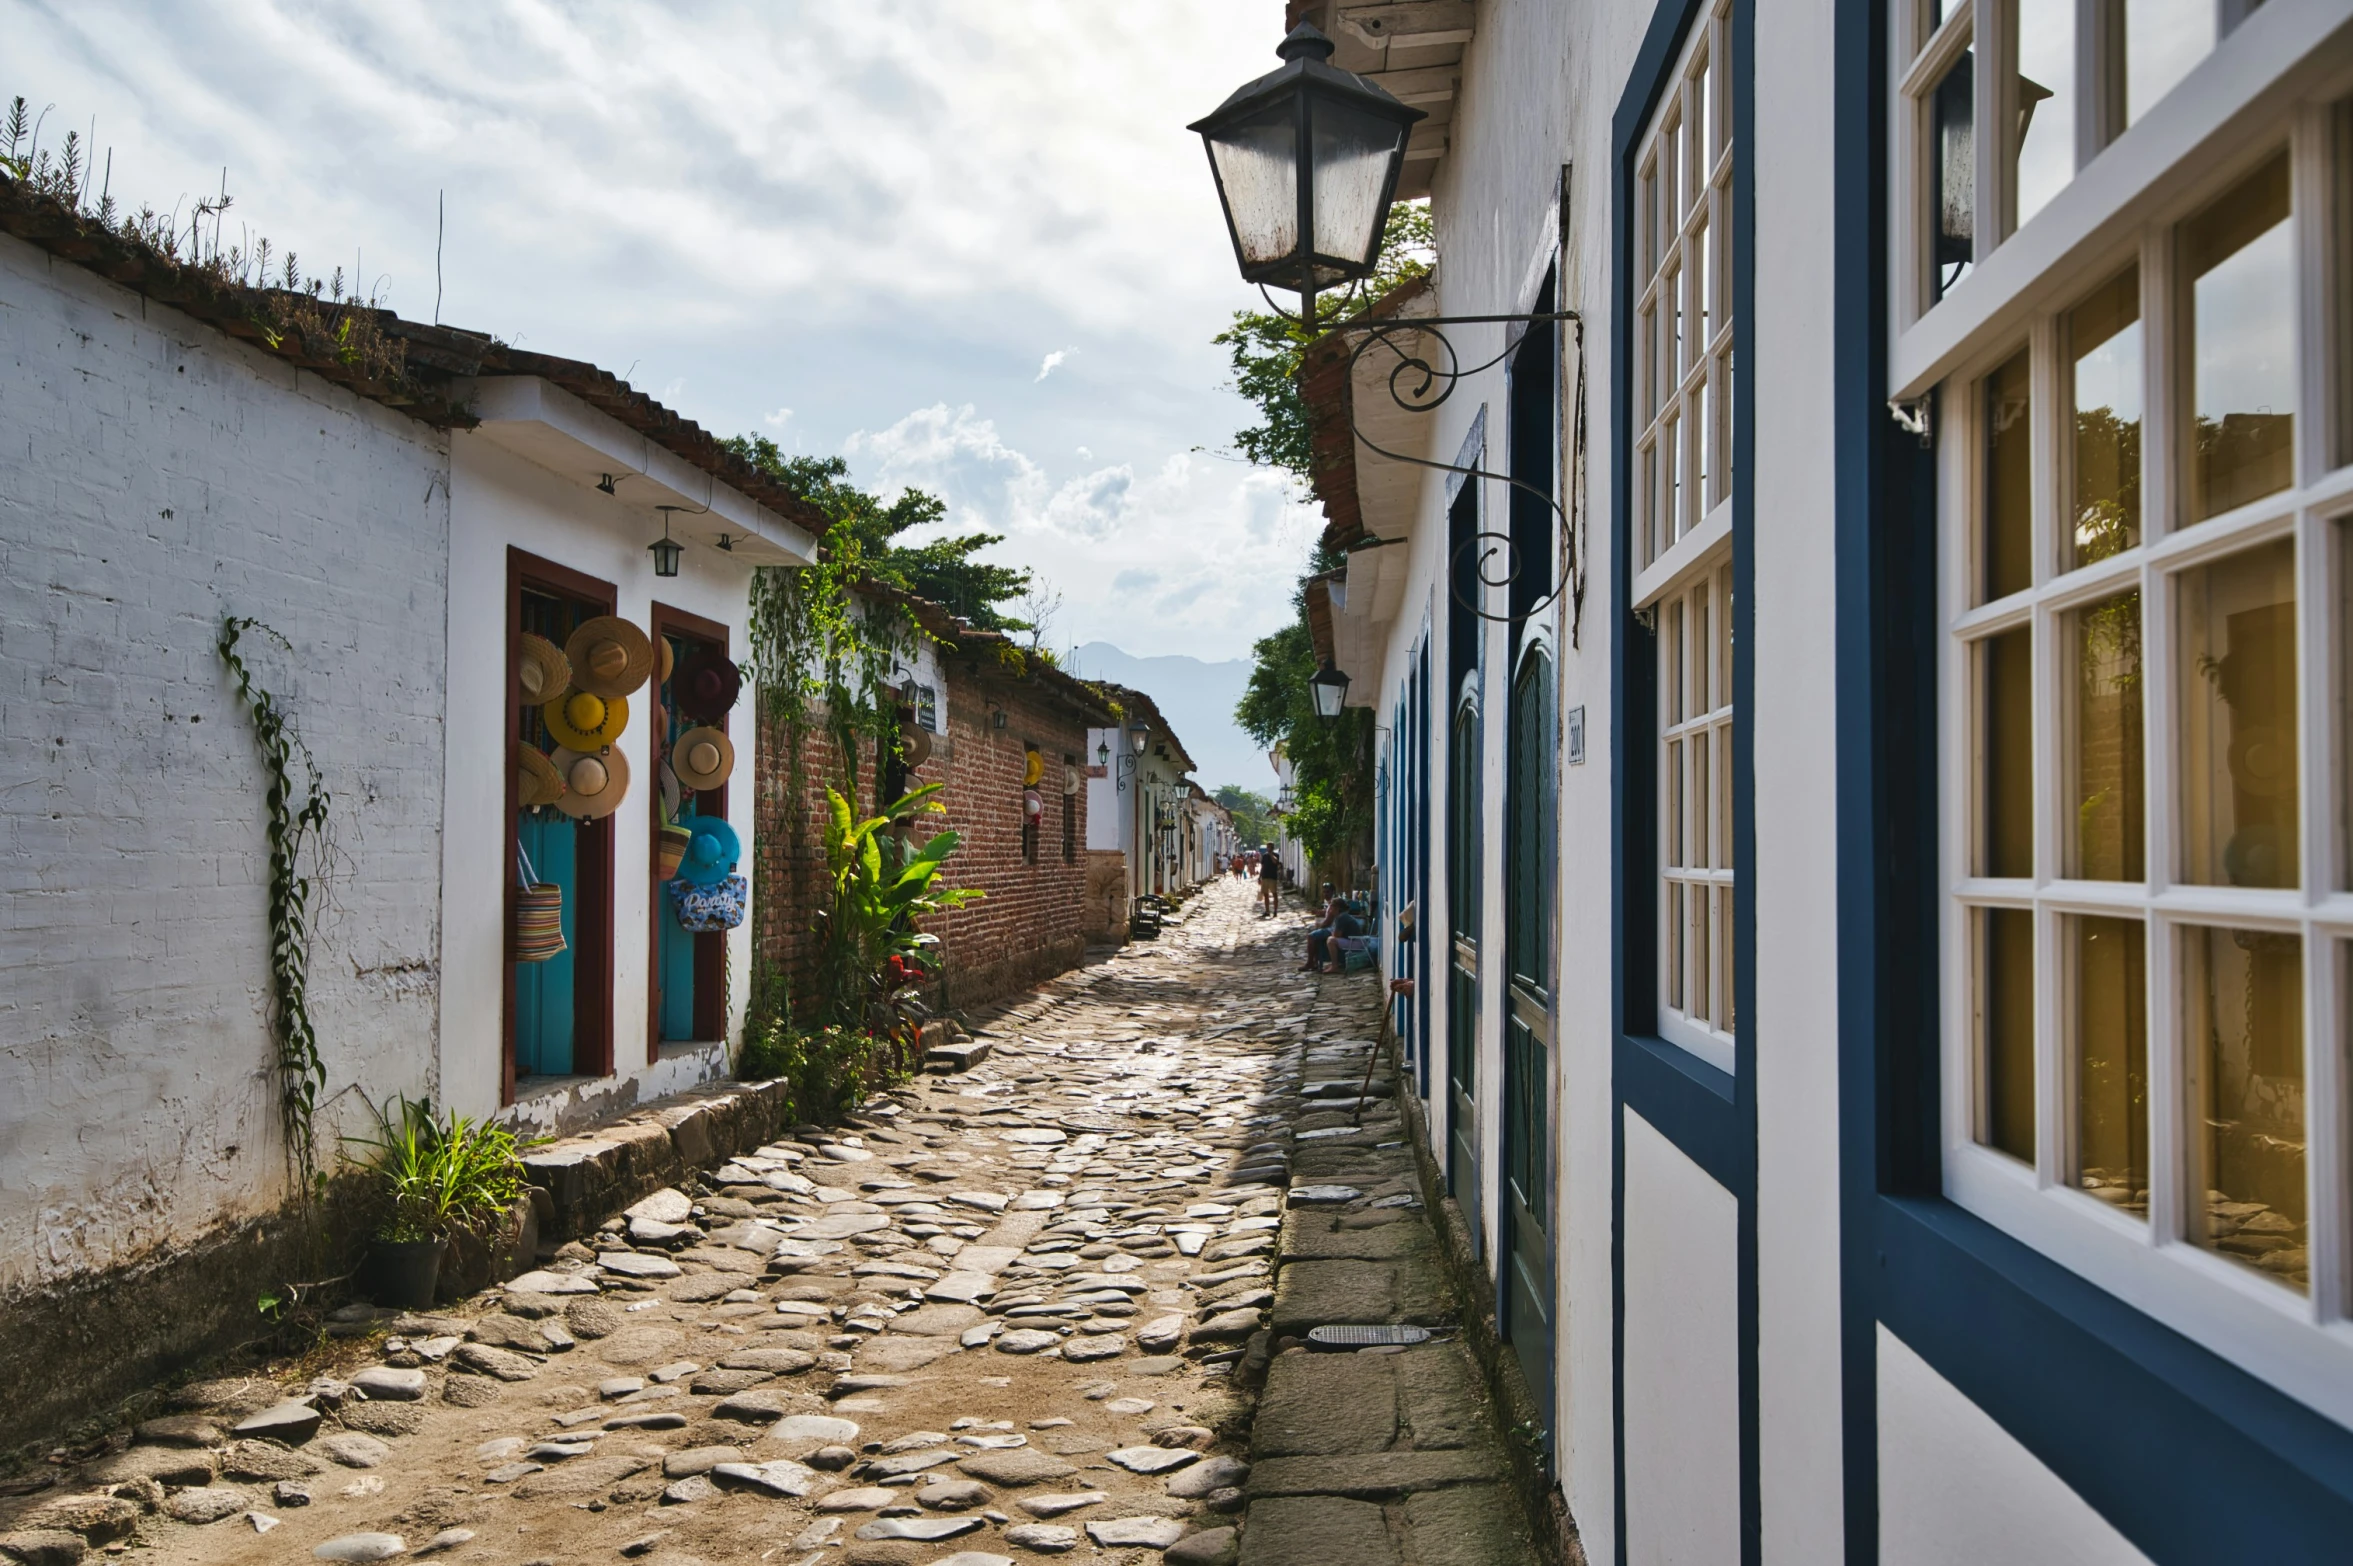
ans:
(1330, 688)
(1138, 736)
(666, 549)
(1306, 160)
(1103, 754)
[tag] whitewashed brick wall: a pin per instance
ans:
(156, 476)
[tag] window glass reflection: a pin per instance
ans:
(1953, 231)
(2243, 1022)
(2007, 1114)
(2237, 676)
(2104, 335)
(2009, 480)
(2105, 735)
(2008, 678)
(2240, 257)
(2046, 103)
(2111, 1041)
(2163, 41)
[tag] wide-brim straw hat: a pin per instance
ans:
(609, 656)
(542, 672)
(665, 659)
(705, 686)
(711, 857)
(584, 720)
(537, 782)
(594, 785)
(914, 745)
(703, 758)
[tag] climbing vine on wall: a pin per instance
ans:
(295, 814)
(823, 654)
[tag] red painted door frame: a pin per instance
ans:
(592, 919)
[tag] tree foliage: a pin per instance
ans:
(1264, 348)
(1331, 758)
(943, 570)
(1253, 813)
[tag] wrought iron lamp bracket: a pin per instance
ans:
(1420, 382)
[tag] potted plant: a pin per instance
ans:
(435, 1178)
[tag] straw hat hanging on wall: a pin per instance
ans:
(582, 721)
(542, 672)
(664, 660)
(537, 782)
(610, 657)
(703, 758)
(594, 786)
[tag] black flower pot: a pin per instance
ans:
(405, 1272)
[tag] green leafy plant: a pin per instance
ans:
(438, 1176)
(295, 820)
(829, 1070)
(871, 952)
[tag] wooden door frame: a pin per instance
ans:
(592, 940)
(710, 947)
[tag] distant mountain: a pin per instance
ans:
(1199, 698)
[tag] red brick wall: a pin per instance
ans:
(1028, 927)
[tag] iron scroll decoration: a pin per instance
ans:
(1420, 384)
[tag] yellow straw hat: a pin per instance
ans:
(594, 786)
(610, 657)
(537, 782)
(703, 758)
(542, 673)
(665, 660)
(583, 721)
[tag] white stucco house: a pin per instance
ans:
(392, 532)
(1877, 869)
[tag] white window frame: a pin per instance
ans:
(2263, 87)
(1683, 550)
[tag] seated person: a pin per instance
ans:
(1337, 920)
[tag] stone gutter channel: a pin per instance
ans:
(1055, 1303)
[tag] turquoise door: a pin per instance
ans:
(543, 990)
(677, 944)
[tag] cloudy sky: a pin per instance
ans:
(969, 246)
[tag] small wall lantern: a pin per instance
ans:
(1138, 736)
(1103, 754)
(666, 550)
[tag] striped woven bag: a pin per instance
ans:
(539, 917)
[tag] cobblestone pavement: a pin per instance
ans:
(1011, 1315)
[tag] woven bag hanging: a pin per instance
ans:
(670, 849)
(539, 916)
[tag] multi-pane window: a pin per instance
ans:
(2146, 521)
(1684, 369)
(2000, 113)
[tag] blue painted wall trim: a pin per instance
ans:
(1708, 1114)
(2191, 1458)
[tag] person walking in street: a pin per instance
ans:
(1270, 880)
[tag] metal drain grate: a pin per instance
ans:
(1334, 1338)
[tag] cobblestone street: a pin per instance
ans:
(1012, 1314)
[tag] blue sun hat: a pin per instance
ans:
(712, 853)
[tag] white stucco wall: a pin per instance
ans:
(1955, 1489)
(159, 477)
(1682, 1359)
(1794, 729)
(500, 500)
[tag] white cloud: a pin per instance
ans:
(1184, 555)
(846, 211)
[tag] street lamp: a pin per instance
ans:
(1306, 160)
(1138, 736)
(1103, 754)
(1329, 687)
